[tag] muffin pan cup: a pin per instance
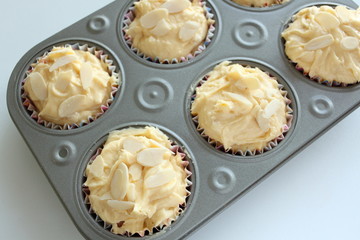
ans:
(159, 95)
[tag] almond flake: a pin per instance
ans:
(119, 182)
(61, 52)
(106, 196)
(174, 200)
(258, 93)
(244, 103)
(272, 108)
(263, 122)
(72, 105)
(63, 81)
(161, 29)
(152, 18)
(343, 13)
(175, 6)
(120, 205)
(86, 75)
(97, 167)
(131, 192)
(327, 20)
(151, 157)
(234, 75)
(188, 30)
(62, 62)
(161, 178)
(319, 42)
(135, 170)
(349, 43)
(132, 145)
(38, 85)
(252, 83)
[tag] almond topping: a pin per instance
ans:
(72, 105)
(97, 167)
(252, 83)
(175, 6)
(263, 122)
(86, 75)
(135, 171)
(161, 29)
(319, 42)
(349, 43)
(119, 182)
(61, 52)
(152, 18)
(327, 20)
(131, 192)
(188, 30)
(151, 157)
(244, 103)
(120, 205)
(272, 108)
(132, 145)
(161, 178)
(343, 13)
(63, 81)
(38, 85)
(62, 62)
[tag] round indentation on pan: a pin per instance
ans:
(154, 94)
(63, 153)
(272, 146)
(28, 108)
(127, 16)
(222, 180)
(250, 33)
(82, 192)
(321, 106)
(298, 69)
(98, 24)
(258, 9)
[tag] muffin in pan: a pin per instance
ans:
(241, 109)
(69, 86)
(138, 182)
(323, 42)
(169, 30)
(259, 3)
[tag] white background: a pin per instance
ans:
(314, 196)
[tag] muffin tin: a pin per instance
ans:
(160, 95)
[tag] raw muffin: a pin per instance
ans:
(69, 86)
(168, 29)
(240, 107)
(137, 183)
(259, 3)
(324, 43)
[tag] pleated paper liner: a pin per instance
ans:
(277, 2)
(112, 70)
(176, 149)
(130, 16)
(270, 145)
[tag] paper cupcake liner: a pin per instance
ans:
(270, 145)
(129, 18)
(33, 112)
(175, 148)
(278, 2)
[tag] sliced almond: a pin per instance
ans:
(307, 56)
(72, 105)
(174, 200)
(252, 83)
(119, 182)
(161, 29)
(349, 43)
(233, 76)
(319, 42)
(63, 80)
(161, 178)
(62, 62)
(151, 157)
(131, 192)
(38, 85)
(343, 13)
(175, 6)
(327, 20)
(244, 103)
(86, 75)
(106, 196)
(258, 93)
(154, 143)
(120, 205)
(152, 18)
(61, 52)
(97, 167)
(263, 122)
(272, 108)
(135, 171)
(133, 145)
(188, 30)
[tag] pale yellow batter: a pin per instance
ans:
(325, 42)
(137, 181)
(168, 29)
(68, 86)
(240, 107)
(259, 3)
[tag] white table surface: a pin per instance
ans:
(314, 196)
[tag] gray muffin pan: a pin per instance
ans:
(160, 95)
